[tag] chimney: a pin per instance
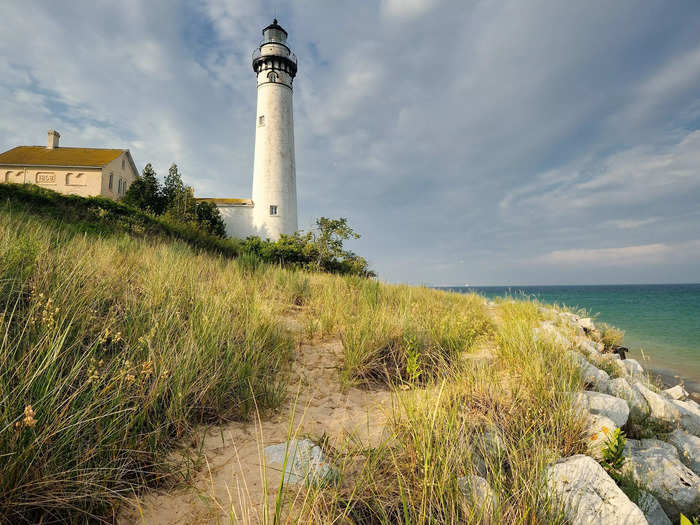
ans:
(53, 139)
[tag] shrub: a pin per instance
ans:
(611, 337)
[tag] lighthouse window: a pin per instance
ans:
(273, 210)
(272, 76)
(261, 120)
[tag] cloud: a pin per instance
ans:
(407, 8)
(483, 132)
(636, 176)
(648, 254)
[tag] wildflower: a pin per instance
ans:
(146, 369)
(130, 378)
(29, 420)
(165, 373)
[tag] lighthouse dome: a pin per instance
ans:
(274, 33)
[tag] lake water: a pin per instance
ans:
(661, 322)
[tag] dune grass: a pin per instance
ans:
(502, 417)
(114, 348)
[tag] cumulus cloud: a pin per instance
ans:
(407, 8)
(625, 256)
(482, 132)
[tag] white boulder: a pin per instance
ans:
(587, 346)
(552, 333)
(652, 510)
(660, 408)
(676, 392)
(305, 461)
(588, 495)
(597, 434)
(605, 405)
(689, 415)
(480, 496)
(655, 465)
(633, 367)
(587, 324)
(639, 408)
(688, 447)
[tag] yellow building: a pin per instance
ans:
(79, 171)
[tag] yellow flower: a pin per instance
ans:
(29, 420)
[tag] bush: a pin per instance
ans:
(318, 250)
(611, 337)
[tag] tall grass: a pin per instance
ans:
(112, 349)
(503, 418)
(395, 334)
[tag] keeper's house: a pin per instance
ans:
(79, 171)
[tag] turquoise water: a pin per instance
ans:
(661, 322)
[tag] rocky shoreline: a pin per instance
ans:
(662, 463)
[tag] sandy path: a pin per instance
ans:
(231, 482)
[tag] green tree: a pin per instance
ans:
(173, 186)
(209, 219)
(329, 236)
(145, 192)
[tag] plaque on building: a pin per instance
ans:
(45, 178)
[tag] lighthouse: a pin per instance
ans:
(274, 172)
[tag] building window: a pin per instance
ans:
(273, 210)
(261, 120)
(272, 76)
(123, 163)
(120, 186)
(111, 180)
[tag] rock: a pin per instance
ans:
(605, 405)
(655, 465)
(480, 497)
(652, 510)
(588, 495)
(660, 408)
(552, 333)
(305, 461)
(639, 408)
(689, 415)
(587, 346)
(676, 392)
(633, 367)
(587, 324)
(599, 429)
(614, 363)
(688, 447)
(590, 375)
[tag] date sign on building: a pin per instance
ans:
(45, 178)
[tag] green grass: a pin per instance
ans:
(504, 417)
(120, 346)
(119, 337)
(102, 216)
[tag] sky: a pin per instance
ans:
(481, 142)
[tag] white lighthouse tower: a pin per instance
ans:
(274, 170)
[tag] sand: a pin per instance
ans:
(230, 484)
